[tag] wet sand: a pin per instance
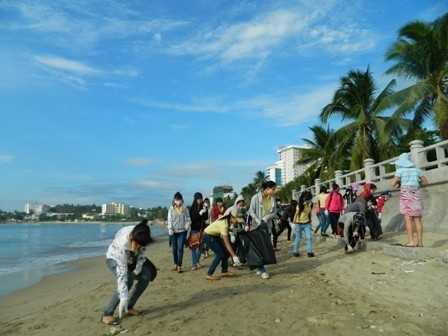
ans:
(366, 293)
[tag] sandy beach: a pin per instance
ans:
(367, 293)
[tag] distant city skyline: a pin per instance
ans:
(132, 101)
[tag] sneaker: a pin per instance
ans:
(213, 278)
(258, 272)
(265, 275)
(310, 254)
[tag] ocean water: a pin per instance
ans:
(28, 252)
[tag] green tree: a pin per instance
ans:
(421, 53)
(369, 132)
(260, 178)
(322, 153)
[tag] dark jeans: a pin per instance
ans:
(334, 219)
(143, 280)
(178, 245)
(324, 221)
(221, 256)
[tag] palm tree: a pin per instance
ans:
(368, 133)
(321, 153)
(421, 53)
(260, 177)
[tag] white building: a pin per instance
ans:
(275, 173)
(289, 155)
(36, 208)
(286, 169)
(115, 209)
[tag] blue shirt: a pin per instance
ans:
(409, 177)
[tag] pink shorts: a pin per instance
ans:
(411, 203)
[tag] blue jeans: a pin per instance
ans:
(221, 256)
(178, 244)
(301, 229)
(324, 221)
(143, 280)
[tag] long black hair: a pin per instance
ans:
(305, 196)
(195, 206)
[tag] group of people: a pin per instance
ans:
(203, 227)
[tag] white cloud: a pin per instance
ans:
(307, 24)
(79, 24)
(6, 158)
(63, 64)
(76, 73)
(148, 184)
(139, 161)
(254, 38)
(202, 105)
(285, 109)
(294, 108)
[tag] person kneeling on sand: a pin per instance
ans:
(126, 260)
(216, 236)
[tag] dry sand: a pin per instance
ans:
(366, 293)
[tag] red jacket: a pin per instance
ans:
(335, 202)
(216, 213)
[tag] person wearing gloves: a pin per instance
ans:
(262, 210)
(238, 211)
(126, 259)
(178, 229)
(216, 235)
(198, 215)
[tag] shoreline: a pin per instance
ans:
(154, 222)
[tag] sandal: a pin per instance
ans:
(112, 322)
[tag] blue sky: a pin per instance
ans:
(133, 100)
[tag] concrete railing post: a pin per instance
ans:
(317, 186)
(369, 170)
(338, 177)
(417, 157)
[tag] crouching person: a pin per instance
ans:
(217, 239)
(354, 230)
(126, 260)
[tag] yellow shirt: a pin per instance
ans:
(219, 227)
(267, 205)
(304, 216)
(178, 210)
(322, 197)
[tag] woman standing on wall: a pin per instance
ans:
(410, 180)
(178, 227)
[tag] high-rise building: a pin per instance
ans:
(36, 208)
(275, 173)
(114, 209)
(286, 169)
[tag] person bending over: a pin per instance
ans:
(216, 235)
(126, 260)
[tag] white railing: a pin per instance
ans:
(433, 160)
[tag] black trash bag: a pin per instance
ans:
(374, 224)
(256, 247)
(152, 268)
